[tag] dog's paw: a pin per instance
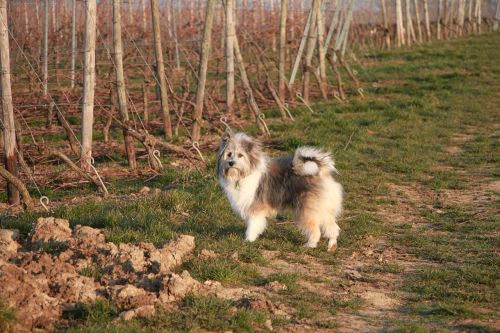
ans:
(332, 248)
(311, 245)
(250, 239)
(332, 245)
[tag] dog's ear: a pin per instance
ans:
(226, 136)
(251, 145)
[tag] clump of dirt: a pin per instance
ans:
(57, 267)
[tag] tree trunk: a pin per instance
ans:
(202, 72)
(282, 52)
(9, 129)
(160, 70)
(230, 57)
(120, 82)
(15, 182)
(73, 44)
(88, 84)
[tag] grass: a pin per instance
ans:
(7, 315)
(424, 98)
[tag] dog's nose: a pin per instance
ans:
(231, 163)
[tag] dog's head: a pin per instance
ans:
(239, 155)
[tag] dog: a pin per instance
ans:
(258, 187)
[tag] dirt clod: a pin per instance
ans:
(49, 229)
(8, 242)
(59, 267)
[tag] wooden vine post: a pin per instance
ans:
(410, 33)
(45, 54)
(417, 17)
(282, 52)
(9, 130)
(427, 20)
(88, 84)
(160, 70)
(120, 82)
(387, 35)
(438, 19)
(229, 57)
(497, 17)
(311, 43)
(73, 44)
(321, 52)
(400, 32)
(202, 72)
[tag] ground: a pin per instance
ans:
(418, 252)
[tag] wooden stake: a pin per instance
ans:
(282, 53)
(417, 17)
(45, 54)
(410, 33)
(160, 70)
(400, 30)
(321, 52)
(497, 17)
(88, 84)
(230, 58)
(311, 43)
(438, 19)
(427, 20)
(387, 35)
(202, 72)
(145, 91)
(73, 44)
(120, 82)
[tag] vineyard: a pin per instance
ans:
(112, 111)
(156, 83)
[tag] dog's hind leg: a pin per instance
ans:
(255, 227)
(308, 222)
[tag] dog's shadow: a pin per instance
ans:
(279, 230)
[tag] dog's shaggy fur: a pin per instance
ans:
(259, 187)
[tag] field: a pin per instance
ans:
(418, 252)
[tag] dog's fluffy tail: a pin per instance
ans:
(309, 161)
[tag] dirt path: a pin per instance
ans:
(372, 277)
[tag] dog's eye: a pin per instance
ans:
(229, 154)
(240, 155)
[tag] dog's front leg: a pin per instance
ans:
(255, 227)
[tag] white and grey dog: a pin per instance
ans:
(258, 187)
